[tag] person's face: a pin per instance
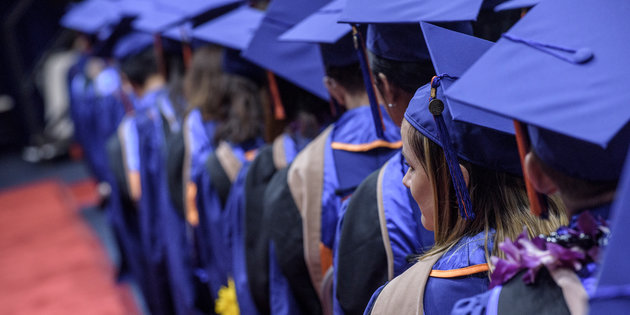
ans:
(417, 181)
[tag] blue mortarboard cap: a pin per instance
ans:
(612, 295)
(233, 63)
(233, 30)
(132, 44)
(90, 16)
(181, 32)
(336, 44)
(452, 53)
(196, 13)
(409, 11)
(163, 14)
(156, 19)
(300, 63)
(515, 4)
(479, 137)
(404, 42)
(321, 26)
(567, 76)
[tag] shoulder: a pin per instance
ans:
(345, 131)
(466, 257)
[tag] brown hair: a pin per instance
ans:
(242, 98)
(202, 83)
(499, 201)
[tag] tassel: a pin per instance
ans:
(436, 107)
(159, 54)
(278, 108)
(367, 80)
(537, 201)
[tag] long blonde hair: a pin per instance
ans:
(499, 200)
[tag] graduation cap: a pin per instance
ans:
(486, 141)
(409, 11)
(336, 46)
(563, 70)
(131, 45)
(515, 4)
(159, 15)
(90, 16)
(299, 63)
(612, 294)
(233, 30)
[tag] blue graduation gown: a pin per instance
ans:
(150, 161)
(350, 151)
(443, 290)
(539, 298)
(361, 234)
(213, 235)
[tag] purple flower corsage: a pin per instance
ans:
(571, 248)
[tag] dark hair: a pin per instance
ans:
(349, 77)
(408, 76)
(202, 83)
(573, 187)
(241, 96)
(139, 67)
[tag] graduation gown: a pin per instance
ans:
(542, 297)
(434, 284)
(383, 222)
(269, 160)
(305, 204)
(213, 234)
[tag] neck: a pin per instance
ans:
(352, 101)
(576, 206)
(153, 82)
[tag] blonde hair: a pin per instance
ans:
(499, 201)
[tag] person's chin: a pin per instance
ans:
(429, 227)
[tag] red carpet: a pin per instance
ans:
(50, 261)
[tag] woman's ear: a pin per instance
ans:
(335, 90)
(537, 176)
(465, 174)
(387, 91)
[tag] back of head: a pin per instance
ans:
(139, 67)
(242, 99)
(305, 112)
(202, 83)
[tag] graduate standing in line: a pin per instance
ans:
(465, 177)
(578, 145)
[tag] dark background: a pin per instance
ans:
(28, 30)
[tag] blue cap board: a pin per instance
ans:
(321, 26)
(409, 11)
(336, 44)
(181, 32)
(452, 53)
(233, 63)
(233, 30)
(563, 70)
(612, 295)
(132, 44)
(163, 14)
(90, 16)
(300, 63)
(404, 42)
(515, 4)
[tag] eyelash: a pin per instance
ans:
(409, 166)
